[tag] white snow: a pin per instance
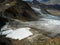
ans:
(20, 33)
(7, 32)
(36, 9)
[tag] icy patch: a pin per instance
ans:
(20, 33)
(7, 32)
(36, 9)
(51, 21)
(47, 25)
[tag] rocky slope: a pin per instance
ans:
(21, 11)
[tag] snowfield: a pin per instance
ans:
(19, 34)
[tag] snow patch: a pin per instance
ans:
(36, 9)
(20, 33)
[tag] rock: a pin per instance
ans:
(20, 11)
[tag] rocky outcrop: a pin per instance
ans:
(20, 11)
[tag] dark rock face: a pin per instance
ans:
(5, 41)
(2, 22)
(20, 11)
(2, 1)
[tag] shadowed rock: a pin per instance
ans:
(20, 11)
